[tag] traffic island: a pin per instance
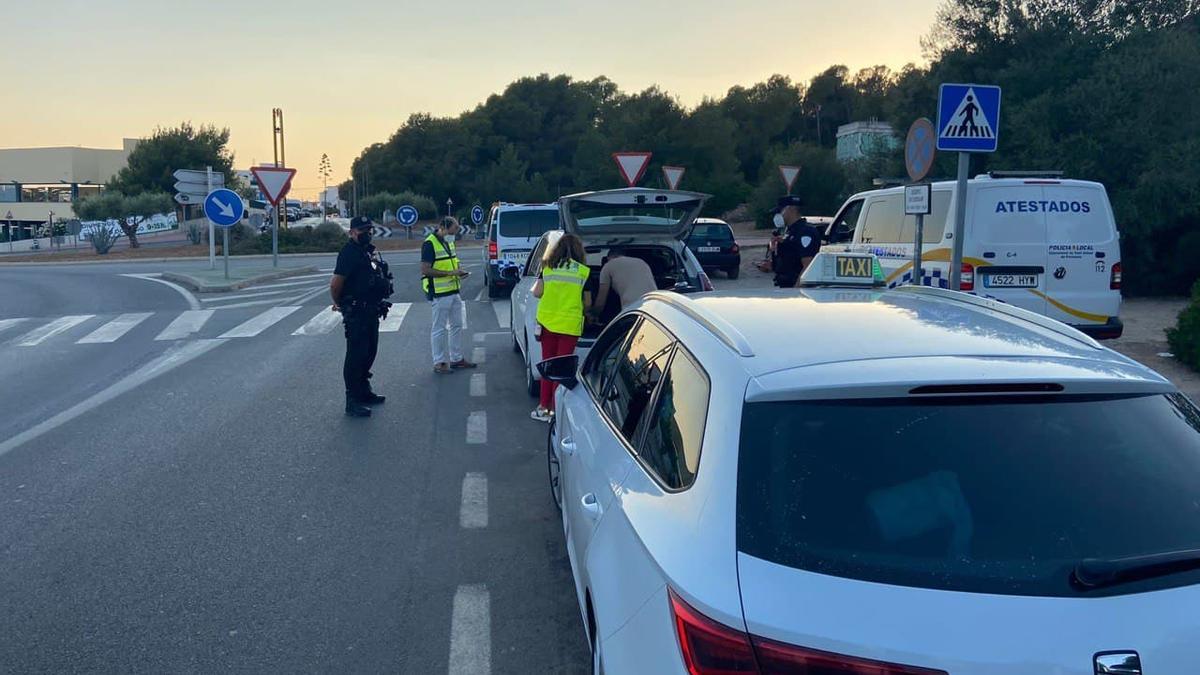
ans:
(214, 281)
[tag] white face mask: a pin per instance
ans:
(778, 220)
(449, 239)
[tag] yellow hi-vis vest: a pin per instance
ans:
(445, 260)
(561, 306)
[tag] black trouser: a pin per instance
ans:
(362, 342)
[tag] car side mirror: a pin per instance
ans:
(561, 369)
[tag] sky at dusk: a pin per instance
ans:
(349, 73)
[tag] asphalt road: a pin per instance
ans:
(180, 492)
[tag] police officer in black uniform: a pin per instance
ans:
(800, 244)
(360, 287)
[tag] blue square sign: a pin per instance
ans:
(968, 117)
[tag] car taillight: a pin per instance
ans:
(1115, 282)
(735, 249)
(968, 278)
(705, 282)
(711, 648)
(493, 251)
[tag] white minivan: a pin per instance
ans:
(1036, 241)
(512, 231)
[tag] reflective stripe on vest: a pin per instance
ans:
(446, 260)
(561, 306)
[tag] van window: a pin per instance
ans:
(528, 223)
(885, 217)
(1078, 215)
(842, 228)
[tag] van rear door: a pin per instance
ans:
(1006, 243)
(1082, 247)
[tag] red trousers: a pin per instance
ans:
(554, 344)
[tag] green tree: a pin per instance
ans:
(155, 159)
(128, 210)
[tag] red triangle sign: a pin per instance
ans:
(273, 181)
(673, 174)
(632, 165)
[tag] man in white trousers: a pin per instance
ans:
(441, 278)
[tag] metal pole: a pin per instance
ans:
(212, 232)
(960, 219)
(918, 277)
(10, 236)
(225, 248)
(275, 240)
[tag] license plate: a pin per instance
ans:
(1010, 280)
(517, 257)
(709, 249)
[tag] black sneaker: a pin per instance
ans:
(356, 409)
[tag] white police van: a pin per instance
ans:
(1033, 240)
(512, 232)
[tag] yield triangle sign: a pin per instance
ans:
(968, 120)
(673, 174)
(273, 181)
(632, 165)
(789, 174)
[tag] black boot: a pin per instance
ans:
(371, 398)
(354, 408)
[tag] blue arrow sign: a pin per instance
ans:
(407, 215)
(477, 214)
(224, 207)
(968, 117)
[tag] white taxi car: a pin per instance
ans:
(852, 480)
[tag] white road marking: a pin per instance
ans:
(503, 312)
(260, 323)
(473, 513)
(324, 269)
(191, 299)
(479, 296)
(308, 295)
(185, 324)
(60, 325)
(477, 428)
(394, 318)
(479, 355)
(471, 631)
(115, 329)
(243, 296)
(256, 303)
(480, 338)
(322, 323)
(175, 356)
(305, 281)
(479, 385)
(464, 316)
(9, 323)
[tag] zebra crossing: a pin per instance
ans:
(93, 329)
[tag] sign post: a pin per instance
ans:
(212, 245)
(10, 232)
(224, 209)
(191, 187)
(919, 152)
(968, 121)
(789, 173)
(274, 182)
(632, 165)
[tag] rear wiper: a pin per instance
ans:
(1098, 573)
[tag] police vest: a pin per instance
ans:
(561, 306)
(444, 260)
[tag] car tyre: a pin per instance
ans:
(733, 272)
(553, 468)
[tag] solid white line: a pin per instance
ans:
(473, 513)
(464, 315)
(308, 295)
(61, 325)
(9, 323)
(395, 317)
(287, 284)
(175, 356)
(479, 385)
(191, 299)
(471, 631)
(320, 324)
(479, 355)
(243, 296)
(324, 269)
(115, 329)
(185, 324)
(256, 303)
(477, 428)
(260, 323)
(503, 313)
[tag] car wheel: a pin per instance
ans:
(733, 272)
(553, 469)
(532, 385)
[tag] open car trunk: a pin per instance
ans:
(664, 262)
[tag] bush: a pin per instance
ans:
(1185, 336)
(375, 205)
(195, 232)
(104, 238)
(324, 238)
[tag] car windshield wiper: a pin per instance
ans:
(1099, 573)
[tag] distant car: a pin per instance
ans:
(512, 232)
(848, 480)
(715, 247)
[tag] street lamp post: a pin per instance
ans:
(325, 173)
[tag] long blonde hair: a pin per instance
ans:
(568, 247)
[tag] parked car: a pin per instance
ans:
(512, 232)
(713, 243)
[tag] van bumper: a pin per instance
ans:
(1103, 331)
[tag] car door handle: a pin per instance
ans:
(567, 445)
(564, 434)
(590, 506)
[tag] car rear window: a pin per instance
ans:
(991, 495)
(703, 233)
(529, 224)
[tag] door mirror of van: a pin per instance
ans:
(561, 369)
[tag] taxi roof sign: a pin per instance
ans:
(831, 268)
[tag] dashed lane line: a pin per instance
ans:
(479, 355)
(471, 631)
(479, 385)
(473, 514)
(477, 430)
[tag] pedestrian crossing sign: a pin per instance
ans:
(968, 118)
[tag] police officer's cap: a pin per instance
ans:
(361, 223)
(790, 200)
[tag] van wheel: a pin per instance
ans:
(733, 272)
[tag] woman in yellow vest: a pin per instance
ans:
(561, 308)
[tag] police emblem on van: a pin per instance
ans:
(1118, 663)
(1060, 273)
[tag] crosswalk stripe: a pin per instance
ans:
(185, 324)
(260, 323)
(115, 329)
(320, 324)
(58, 326)
(395, 317)
(9, 323)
